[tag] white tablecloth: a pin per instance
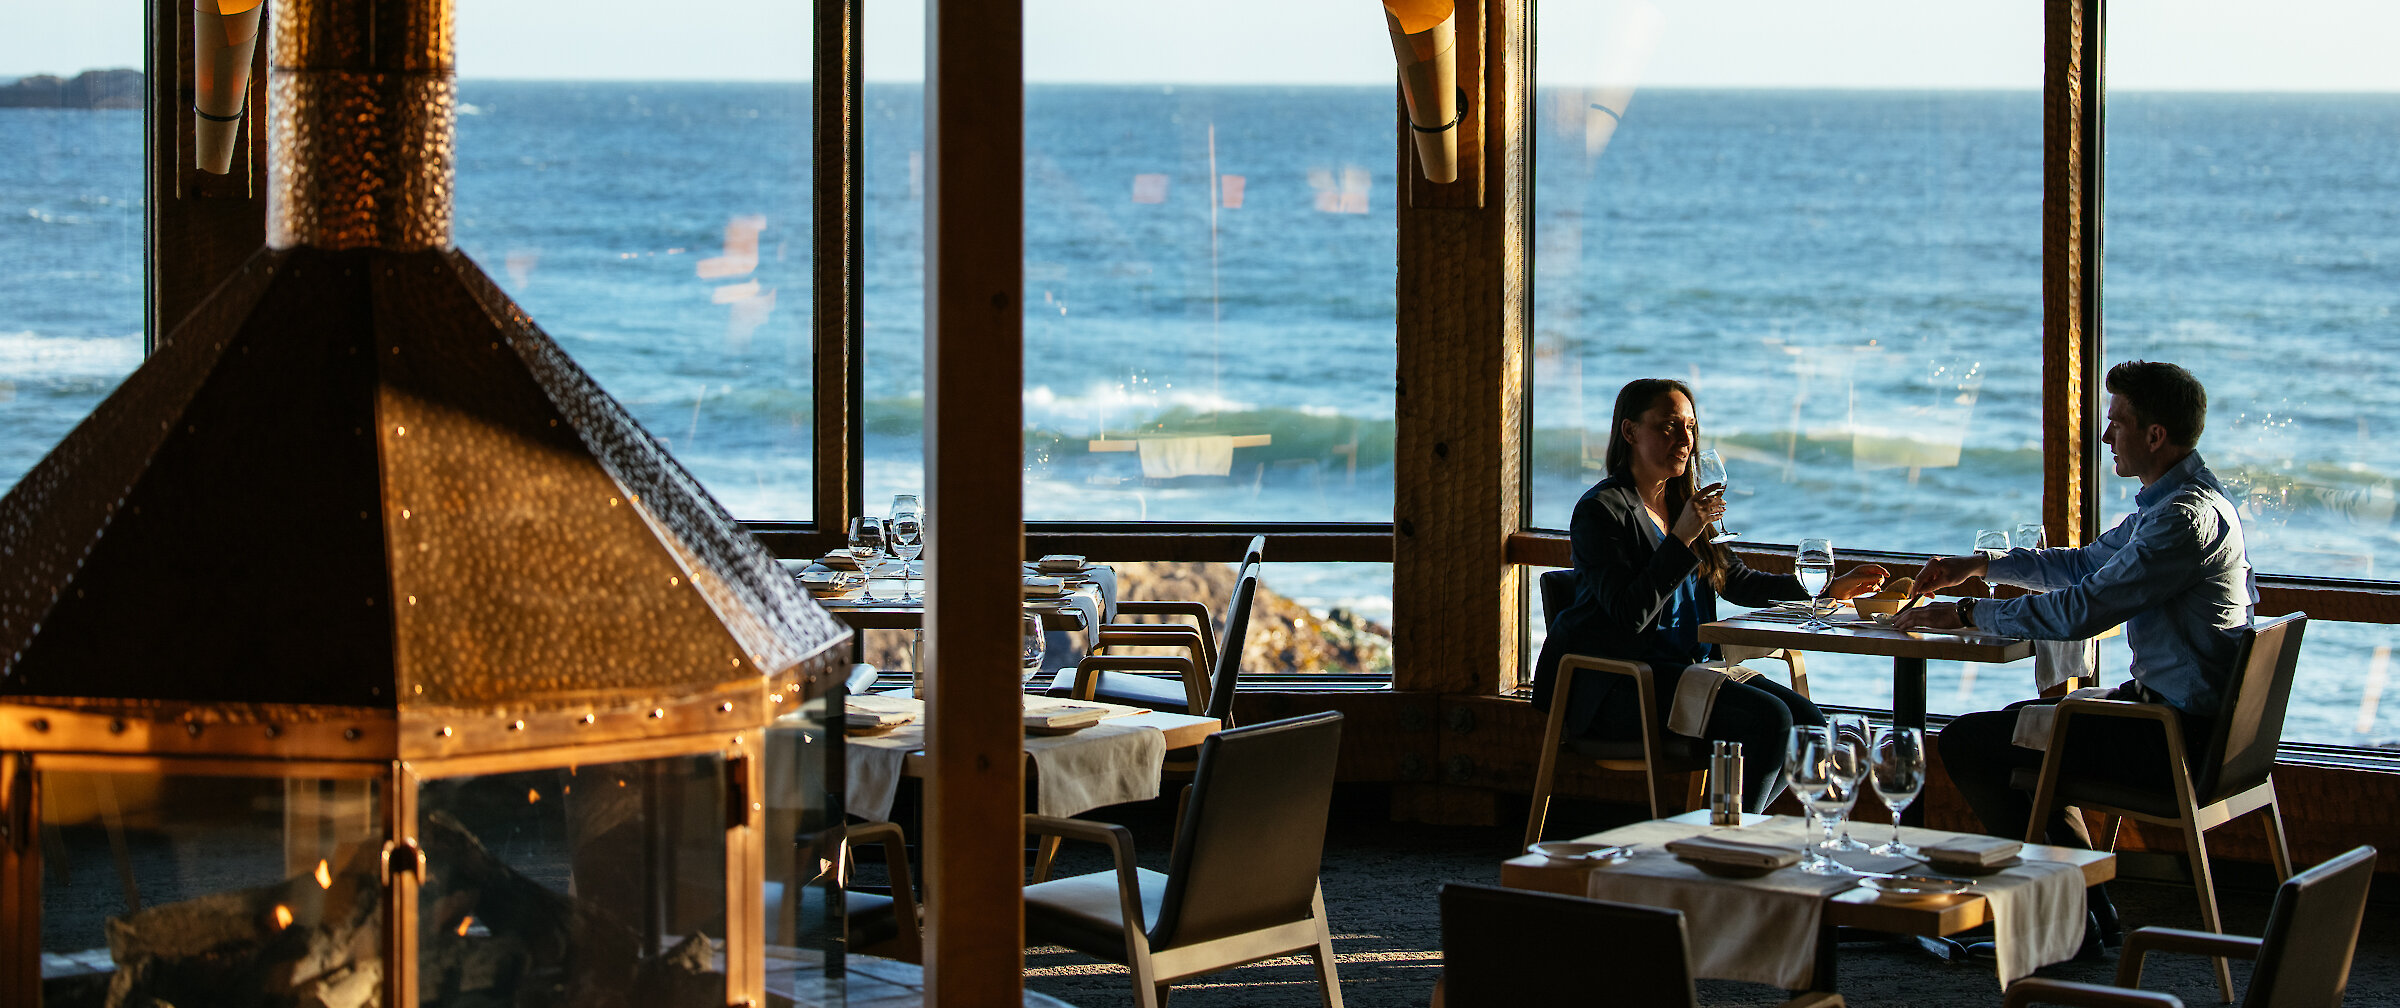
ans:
(1102, 765)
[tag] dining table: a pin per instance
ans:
(1779, 927)
(1080, 607)
(1845, 632)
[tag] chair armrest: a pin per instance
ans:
(1150, 635)
(1087, 672)
(2142, 941)
(2037, 990)
(2045, 791)
(1815, 999)
(910, 942)
(1165, 607)
(1119, 842)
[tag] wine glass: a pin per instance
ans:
(2031, 535)
(1898, 771)
(1708, 470)
(906, 530)
(866, 547)
(1850, 732)
(1813, 563)
(1807, 764)
(1991, 544)
(1840, 771)
(1030, 625)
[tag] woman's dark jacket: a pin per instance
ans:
(1622, 585)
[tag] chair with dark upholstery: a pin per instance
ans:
(1660, 756)
(1506, 948)
(877, 923)
(2233, 775)
(1241, 884)
(2303, 960)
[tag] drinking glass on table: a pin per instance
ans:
(906, 530)
(1808, 766)
(1991, 544)
(1898, 770)
(866, 547)
(1813, 563)
(1708, 470)
(2031, 535)
(1838, 768)
(1850, 732)
(1030, 626)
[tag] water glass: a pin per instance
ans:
(1898, 770)
(906, 530)
(1708, 470)
(2031, 535)
(1030, 626)
(1809, 766)
(1812, 562)
(866, 547)
(1991, 543)
(1849, 732)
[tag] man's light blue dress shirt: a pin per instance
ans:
(2175, 572)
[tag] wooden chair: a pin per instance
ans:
(2233, 775)
(1205, 676)
(1507, 948)
(873, 923)
(1657, 756)
(1241, 884)
(2302, 960)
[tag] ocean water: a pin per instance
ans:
(1850, 279)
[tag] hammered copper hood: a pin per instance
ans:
(360, 481)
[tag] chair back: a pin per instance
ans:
(2249, 726)
(2304, 958)
(1558, 592)
(1253, 832)
(1506, 948)
(1223, 678)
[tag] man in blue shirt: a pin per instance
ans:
(2174, 572)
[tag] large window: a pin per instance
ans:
(644, 194)
(70, 224)
(1827, 221)
(2253, 236)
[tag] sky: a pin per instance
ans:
(2339, 45)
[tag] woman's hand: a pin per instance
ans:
(1862, 579)
(1949, 572)
(1699, 516)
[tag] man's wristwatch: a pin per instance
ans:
(1966, 611)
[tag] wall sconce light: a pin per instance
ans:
(224, 37)
(1425, 42)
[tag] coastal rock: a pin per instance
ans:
(91, 89)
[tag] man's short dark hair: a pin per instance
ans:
(2163, 394)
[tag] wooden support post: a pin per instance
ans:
(834, 192)
(1461, 297)
(974, 450)
(2071, 374)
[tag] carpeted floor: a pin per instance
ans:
(1381, 878)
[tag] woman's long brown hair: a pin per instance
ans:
(1633, 400)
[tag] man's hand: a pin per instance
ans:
(1929, 616)
(1948, 572)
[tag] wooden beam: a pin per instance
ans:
(2070, 270)
(838, 381)
(1458, 606)
(974, 377)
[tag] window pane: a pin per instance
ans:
(2253, 236)
(644, 194)
(1209, 246)
(1838, 248)
(70, 232)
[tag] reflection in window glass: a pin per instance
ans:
(647, 202)
(1209, 246)
(70, 246)
(1831, 234)
(2252, 237)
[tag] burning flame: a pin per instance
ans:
(283, 917)
(532, 796)
(464, 923)
(324, 876)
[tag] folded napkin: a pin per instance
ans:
(2034, 721)
(1202, 455)
(2037, 916)
(1984, 851)
(2054, 661)
(1718, 850)
(1696, 694)
(1061, 563)
(839, 560)
(1038, 585)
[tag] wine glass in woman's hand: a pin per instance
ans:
(1708, 473)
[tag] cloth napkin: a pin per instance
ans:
(1721, 850)
(2054, 661)
(2037, 915)
(2034, 721)
(1105, 764)
(1761, 930)
(1696, 694)
(872, 767)
(1985, 851)
(1169, 457)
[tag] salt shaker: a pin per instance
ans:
(1725, 784)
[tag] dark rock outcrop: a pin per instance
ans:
(91, 89)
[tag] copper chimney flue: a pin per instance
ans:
(358, 517)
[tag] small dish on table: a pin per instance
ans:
(1914, 886)
(1577, 852)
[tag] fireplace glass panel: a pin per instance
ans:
(597, 886)
(210, 891)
